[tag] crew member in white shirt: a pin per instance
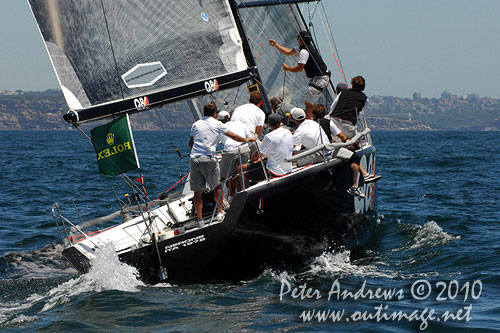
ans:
(308, 134)
(251, 114)
(206, 133)
(276, 146)
(230, 156)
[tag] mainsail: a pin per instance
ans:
(115, 56)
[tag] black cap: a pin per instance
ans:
(341, 86)
(305, 36)
(274, 119)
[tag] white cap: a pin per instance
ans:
(298, 114)
(223, 114)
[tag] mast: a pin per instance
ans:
(256, 79)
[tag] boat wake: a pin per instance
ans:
(335, 264)
(107, 273)
(426, 236)
(43, 263)
(339, 264)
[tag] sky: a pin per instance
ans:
(399, 46)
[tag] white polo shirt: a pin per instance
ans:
(249, 114)
(236, 127)
(207, 133)
(303, 55)
(278, 145)
(308, 135)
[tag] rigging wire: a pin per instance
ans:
(334, 48)
(112, 49)
(164, 131)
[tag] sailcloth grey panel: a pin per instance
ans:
(108, 50)
(282, 23)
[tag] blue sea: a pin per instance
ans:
(433, 263)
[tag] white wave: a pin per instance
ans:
(339, 263)
(9, 309)
(107, 273)
(43, 263)
(21, 319)
(279, 276)
(430, 234)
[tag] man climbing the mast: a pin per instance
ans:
(311, 62)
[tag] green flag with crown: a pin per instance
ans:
(114, 145)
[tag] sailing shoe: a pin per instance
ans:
(219, 217)
(201, 223)
(353, 190)
(369, 178)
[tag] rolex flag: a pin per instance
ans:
(114, 145)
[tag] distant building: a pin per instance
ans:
(446, 95)
(472, 96)
(416, 96)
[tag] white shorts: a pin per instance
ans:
(345, 126)
(204, 170)
(316, 88)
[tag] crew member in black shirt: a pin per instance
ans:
(311, 62)
(345, 108)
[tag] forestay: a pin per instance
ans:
(115, 56)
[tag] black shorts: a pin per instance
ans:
(255, 171)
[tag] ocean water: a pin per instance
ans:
(433, 264)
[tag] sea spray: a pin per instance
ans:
(339, 264)
(107, 273)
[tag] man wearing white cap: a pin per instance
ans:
(308, 134)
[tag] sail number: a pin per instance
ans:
(211, 86)
(141, 103)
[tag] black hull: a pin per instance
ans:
(282, 224)
(288, 223)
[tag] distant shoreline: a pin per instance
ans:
(44, 110)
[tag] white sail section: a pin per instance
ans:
(104, 51)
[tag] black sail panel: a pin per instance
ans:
(107, 54)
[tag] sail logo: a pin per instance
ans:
(110, 139)
(113, 150)
(211, 85)
(141, 103)
(204, 16)
(144, 75)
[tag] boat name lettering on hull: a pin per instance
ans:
(113, 150)
(185, 243)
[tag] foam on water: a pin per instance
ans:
(339, 264)
(107, 273)
(43, 263)
(428, 235)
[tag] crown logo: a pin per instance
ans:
(110, 139)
